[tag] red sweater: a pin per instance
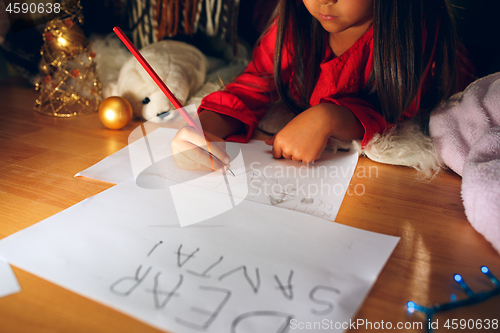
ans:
(340, 81)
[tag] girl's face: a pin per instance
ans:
(339, 15)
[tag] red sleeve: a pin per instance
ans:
(248, 97)
(373, 122)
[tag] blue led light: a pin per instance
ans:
(454, 303)
(411, 307)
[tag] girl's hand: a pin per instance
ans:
(305, 137)
(189, 150)
(302, 139)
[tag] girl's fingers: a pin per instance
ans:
(191, 135)
(217, 147)
(198, 155)
(270, 141)
(276, 151)
(190, 150)
(186, 163)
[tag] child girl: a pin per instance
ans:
(348, 69)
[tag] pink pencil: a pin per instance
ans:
(163, 87)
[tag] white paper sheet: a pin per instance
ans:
(254, 268)
(317, 189)
(8, 281)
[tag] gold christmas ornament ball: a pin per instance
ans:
(115, 112)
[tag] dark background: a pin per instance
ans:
(478, 23)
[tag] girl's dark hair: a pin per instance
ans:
(408, 36)
(297, 27)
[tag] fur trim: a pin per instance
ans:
(405, 144)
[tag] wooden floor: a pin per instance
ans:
(39, 155)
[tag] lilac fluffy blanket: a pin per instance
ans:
(466, 134)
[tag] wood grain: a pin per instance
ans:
(39, 155)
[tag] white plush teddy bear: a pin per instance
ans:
(180, 65)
